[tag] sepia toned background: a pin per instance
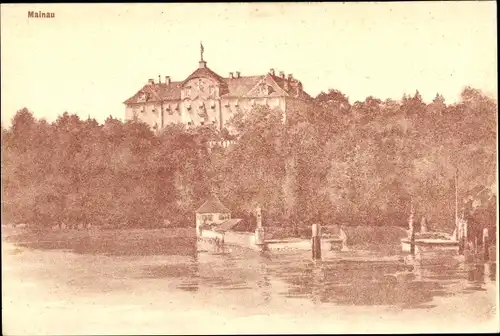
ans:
(101, 235)
(90, 57)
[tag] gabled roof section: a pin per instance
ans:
(204, 73)
(274, 89)
(213, 205)
(239, 86)
(293, 87)
(157, 92)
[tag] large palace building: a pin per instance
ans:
(205, 97)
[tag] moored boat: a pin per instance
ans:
(429, 244)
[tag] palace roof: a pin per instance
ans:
(235, 87)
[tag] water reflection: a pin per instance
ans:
(252, 278)
(405, 283)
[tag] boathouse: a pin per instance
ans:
(211, 214)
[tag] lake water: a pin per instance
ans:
(175, 290)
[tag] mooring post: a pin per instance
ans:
(259, 231)
(316, 241)
(486, 245)
(460, 238)
(465, 238)
(412, 241)
(343, 236)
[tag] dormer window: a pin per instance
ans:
(263, 89)
(142, 97)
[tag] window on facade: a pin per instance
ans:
(189, 123)
(210, 217)
(202, 123)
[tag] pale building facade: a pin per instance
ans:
(206, 98)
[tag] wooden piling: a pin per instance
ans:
(486, 245)
(316, 241)
(461, 246)
(461, 237)
(412, 241)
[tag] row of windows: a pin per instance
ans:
(211, 91)
(211, 217)
(202, 123)
(227, 104)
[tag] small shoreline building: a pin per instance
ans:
(211, 213)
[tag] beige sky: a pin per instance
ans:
(91, 57)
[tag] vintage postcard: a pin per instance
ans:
(249, 168)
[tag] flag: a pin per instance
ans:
(201, 50)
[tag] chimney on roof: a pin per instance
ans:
(231, 75)
(282, 74)
(159, 79)
(151, 81)
(167, 80)
(271, 72)
(238, 74)
(290, 77)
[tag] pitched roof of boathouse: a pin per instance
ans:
(227, 225)
(213, 205)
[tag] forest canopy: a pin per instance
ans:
(334, 163)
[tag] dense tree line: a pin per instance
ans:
(333, 162)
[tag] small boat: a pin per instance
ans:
(429, 244)
(431, 241)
